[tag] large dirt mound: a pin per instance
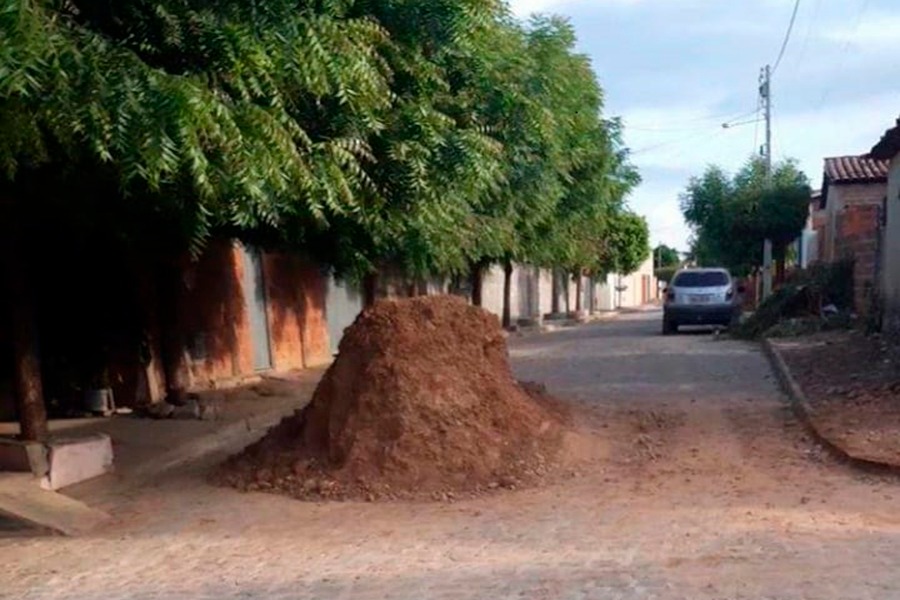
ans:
(419, 402)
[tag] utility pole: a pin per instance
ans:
(765, 92)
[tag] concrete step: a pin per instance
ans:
(23, 500)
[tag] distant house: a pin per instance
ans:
(888, 150)
(813, 234)
(628, 290)
(853, 190)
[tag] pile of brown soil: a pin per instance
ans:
(420, 402)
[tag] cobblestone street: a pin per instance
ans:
(697, 483)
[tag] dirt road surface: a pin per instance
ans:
(696, 484)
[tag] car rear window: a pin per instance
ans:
(701, 279)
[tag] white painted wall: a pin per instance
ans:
(530, 292)
(609, 298)
(891, 251)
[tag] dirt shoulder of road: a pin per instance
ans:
(851, 388)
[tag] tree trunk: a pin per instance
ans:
(578, 293)
(554, 290)
(370, 289)
(475, 274)
(507, 292)
(29, 387)
(172, 346)
(566, 287)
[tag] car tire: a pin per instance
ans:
(668, 327)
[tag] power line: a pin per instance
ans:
(730, 116)
(787, 36)
(809, 29)
(756, 130)
(734, 121)
(706, 133)
(841, 63)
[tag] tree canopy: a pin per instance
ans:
(629, 243)
(732, 215)
(430, 135)
(664, 256)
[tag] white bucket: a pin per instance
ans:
(100, 401)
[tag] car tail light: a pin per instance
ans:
(729, 294)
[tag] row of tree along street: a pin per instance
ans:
(437, 136)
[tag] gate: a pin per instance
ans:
(255, 303)
(343, 303)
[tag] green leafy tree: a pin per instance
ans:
(629, 244)
(431, 136)
(666, 257)
(732, 216)
(213, 107)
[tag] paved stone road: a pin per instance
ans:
(697, 484)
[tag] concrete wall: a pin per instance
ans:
(838, 198)
(857, 231)
(848, 228)
(343, 302)
(890, 288)
(640, 287)
(215, 327)
(530, 292)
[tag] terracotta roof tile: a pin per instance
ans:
(856, 169)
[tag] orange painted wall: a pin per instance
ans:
(213, 327)
(295, 293)
(317, 344)
(213, 315)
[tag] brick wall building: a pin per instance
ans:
(853, 191)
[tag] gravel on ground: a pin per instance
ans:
(693, 481)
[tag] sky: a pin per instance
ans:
(675, 70)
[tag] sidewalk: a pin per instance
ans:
(844, 386)
(145, 449)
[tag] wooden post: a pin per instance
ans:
(554, 290)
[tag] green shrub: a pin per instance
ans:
(802, 299)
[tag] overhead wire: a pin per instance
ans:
(809, 30)
(787, 36)
(755, 149)
(846, 47)
(730, 116)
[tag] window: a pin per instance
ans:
(696, 279)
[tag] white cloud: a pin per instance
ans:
(668, 67)
(524, 8)
(874, 31)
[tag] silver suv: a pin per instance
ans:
(701, 297)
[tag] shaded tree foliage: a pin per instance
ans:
(732, 215)
(664, 256)
(436, 136)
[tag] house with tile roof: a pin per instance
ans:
(853, 191)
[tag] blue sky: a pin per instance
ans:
(674, 70)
